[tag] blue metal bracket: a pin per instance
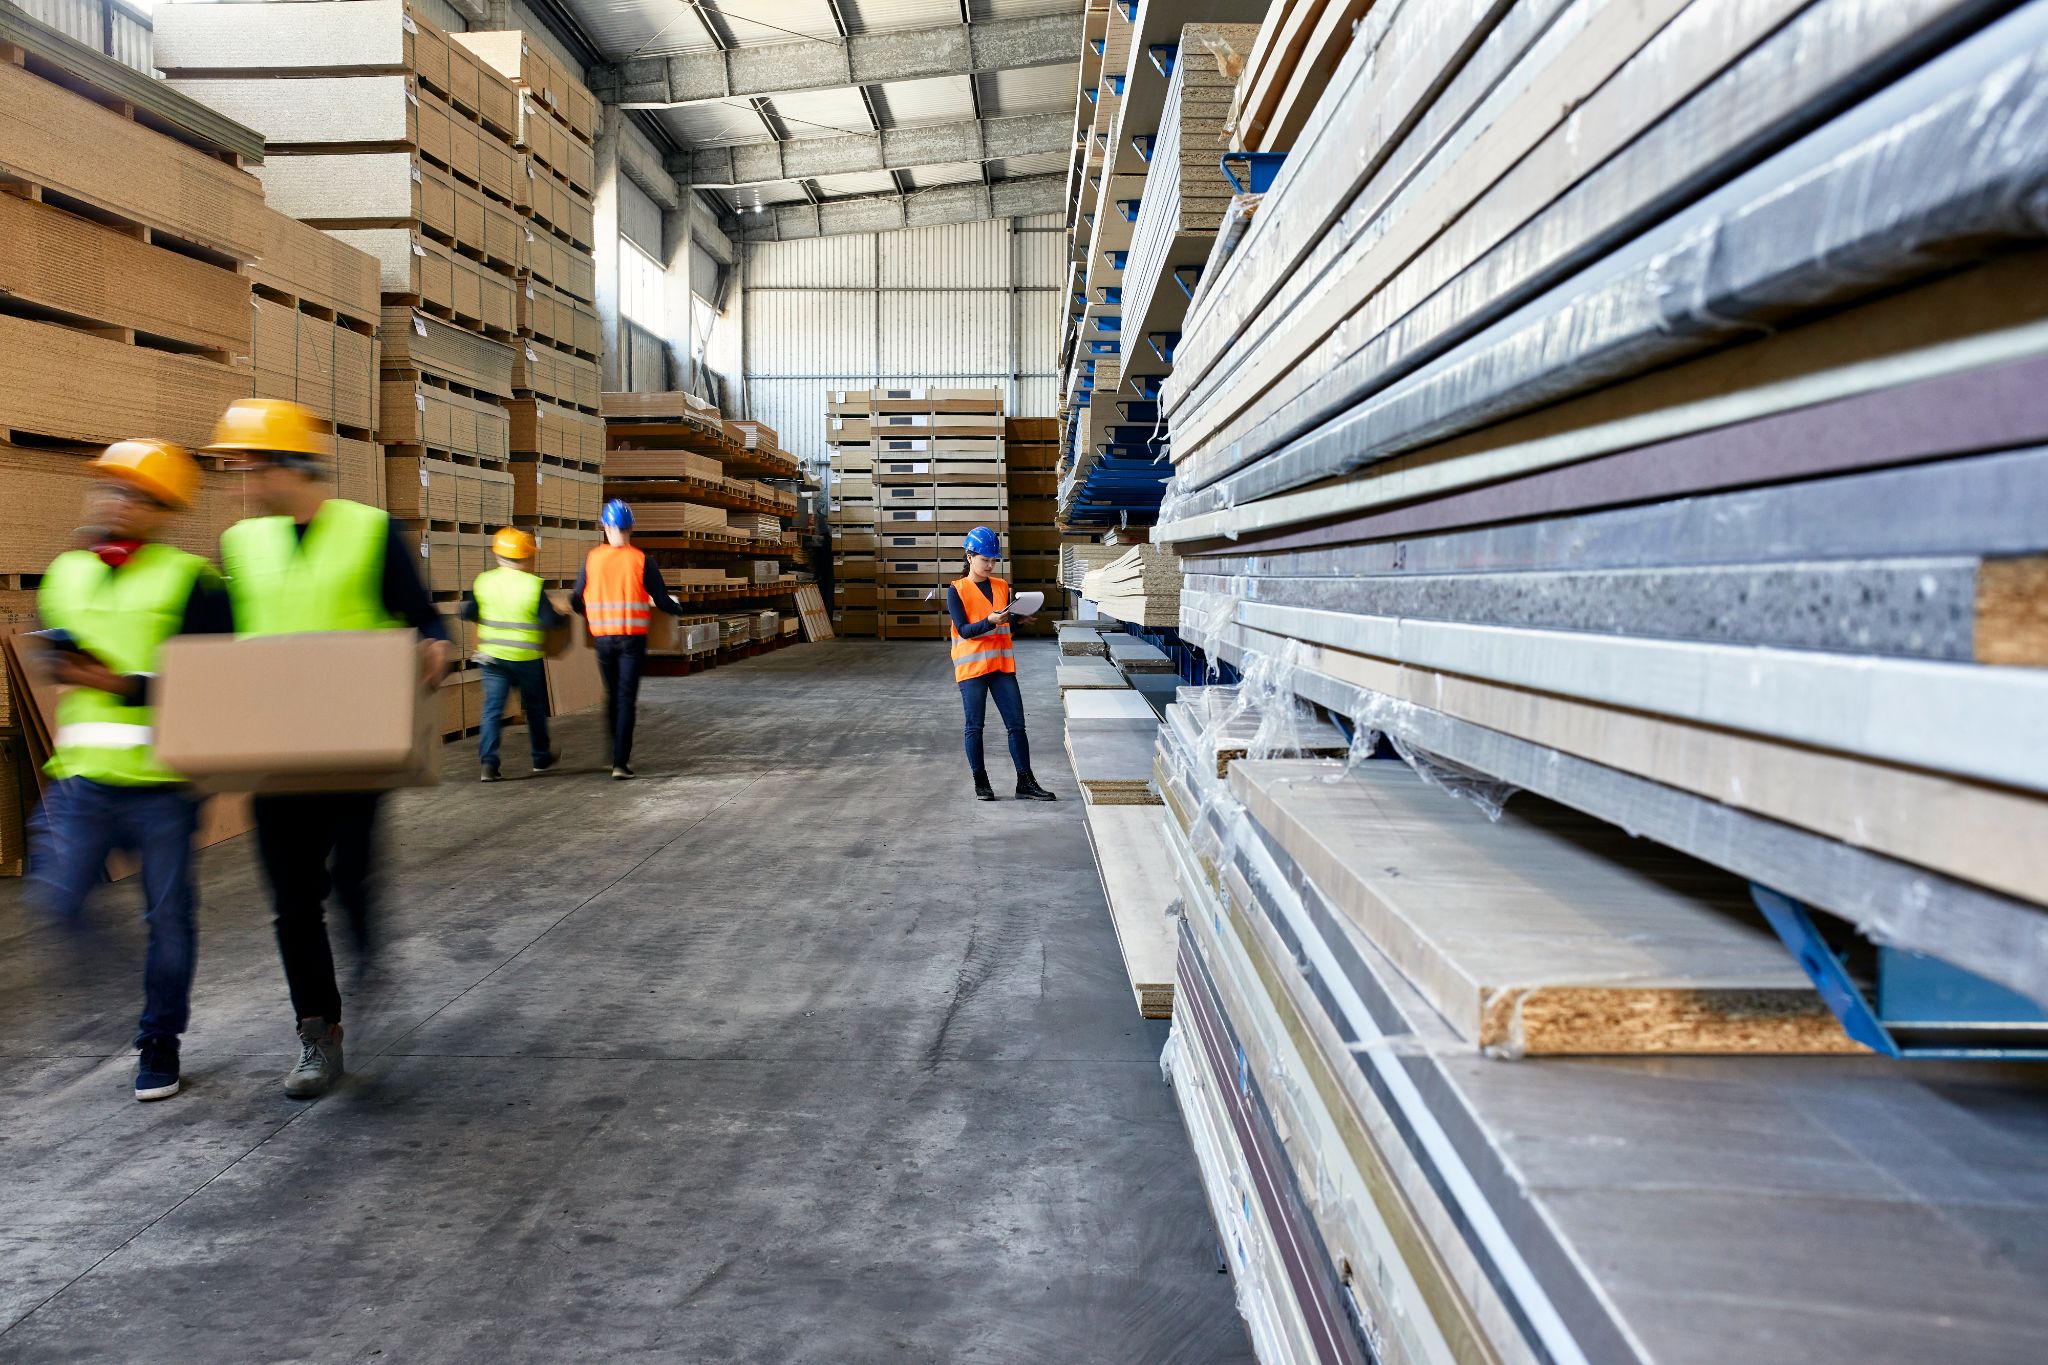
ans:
(1162, 344)
(1092, 93)
(1117, 259)
(1187, 277)
(1145, 385)
(1105, 348)
(1110, 325)
(1260, 168)
(1956, 1013)
(1112, 294)
(1163, 56)
(1098, 44)
(1129, 209)
(1141, 143)
(1129, 8)
(1116, 84)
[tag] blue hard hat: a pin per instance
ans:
(982, 541)
(617, 515)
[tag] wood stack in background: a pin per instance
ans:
(710, 499)
(1031, 461)
(938, 474)
(1539, 429)
(850, 489)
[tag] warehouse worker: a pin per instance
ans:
(513, 615)
(985, 663)
(115, 604)
(315, 562)
(615, 590)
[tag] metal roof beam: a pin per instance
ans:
(892, 149)
(826, 64)
(922, 208)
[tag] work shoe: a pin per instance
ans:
(1029, 790)
(543, 762)
(490, 772)
(620, 772)
(982, 790)
(156, 1069)
(319, 1060)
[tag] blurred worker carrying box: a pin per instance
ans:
(317, 712)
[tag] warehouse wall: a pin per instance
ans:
(966, 304)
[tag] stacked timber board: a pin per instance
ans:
(1141, 586)
(1536, 431)
(1031, 459)
(705, 509)
(912, 470)
(1297, 49)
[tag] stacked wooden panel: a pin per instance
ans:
(938, 473)
(1299, 46)
(1031, 464)
(1628, 421)
(124, 309)
(710, 499)
(850, 481)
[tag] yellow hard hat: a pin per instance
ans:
(271, 425)
(158, 468)
(512, 543)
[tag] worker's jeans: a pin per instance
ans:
(530, 676)
(312, 844)
(620, 659)
(79, 823)
(974, 695)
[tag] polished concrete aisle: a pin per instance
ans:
(789, 1051)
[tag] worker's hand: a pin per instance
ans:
(1001, 618)
(435, 658)
(71, 669)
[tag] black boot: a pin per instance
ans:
(982, 790)
(1029, 790)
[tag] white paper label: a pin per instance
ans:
(423, 547)
(529, 291)
(418, 325)
(419, 399)
(532, 356)
(416, 176)
(418, 250)
(529, 234)
(409, 25)
(423, 473)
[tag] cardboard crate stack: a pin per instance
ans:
(938, 473)
(557, 434)
(850, 490)
(704, 508)
(1031, 462)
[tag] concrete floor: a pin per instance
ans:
(788, 1052)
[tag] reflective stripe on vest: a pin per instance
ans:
(332, 578)
(508, 611)
(990, 653)
(615, 600)
(122, 617)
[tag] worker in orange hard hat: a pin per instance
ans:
(315, 562)
(107, 609)
(513, 619)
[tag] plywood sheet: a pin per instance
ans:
(1137, 880)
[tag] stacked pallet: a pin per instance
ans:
(851, 520)
(1635, 412)
(704, 510)
(939, 472)
(1031, 459)
(123, 307)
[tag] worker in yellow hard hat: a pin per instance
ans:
(107, 609)
(316, 562)
(513, 618)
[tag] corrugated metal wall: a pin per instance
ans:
(102, 25)
(967, 304)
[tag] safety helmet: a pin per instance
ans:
(158, 468)
(982, 541)
(617, 515)
(271, 426)
(512, 543)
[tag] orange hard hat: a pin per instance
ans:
(512, 543)
(159, 468)
(273, 426)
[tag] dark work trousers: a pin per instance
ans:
(312, 844)
(974, 695)
(620, 659)
(530, 676)
(79, 823)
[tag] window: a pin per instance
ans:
(643, 288)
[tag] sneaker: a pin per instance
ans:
(1029, 790)
(319, 1060)
(543, 762)
(620, 772)
(982, 790)
(156, 1069)
(490, 772)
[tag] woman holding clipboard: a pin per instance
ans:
(985, 662)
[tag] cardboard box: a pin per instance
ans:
(853, 622)
(324, 711)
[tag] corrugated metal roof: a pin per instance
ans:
(781, 192)
(864, 182)
(1020, 9)
(756, 22)
(879, 16)
(1038, 163)
(1026, 90)
(933, 100)
(818, 113)
(950, 173)
(643, 28)
(718, 125)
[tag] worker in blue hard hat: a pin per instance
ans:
(985, 662)
(616, 591)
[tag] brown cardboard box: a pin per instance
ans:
(573, 680)
(326, 711)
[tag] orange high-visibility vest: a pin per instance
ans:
(990, 653)
(615, 600)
